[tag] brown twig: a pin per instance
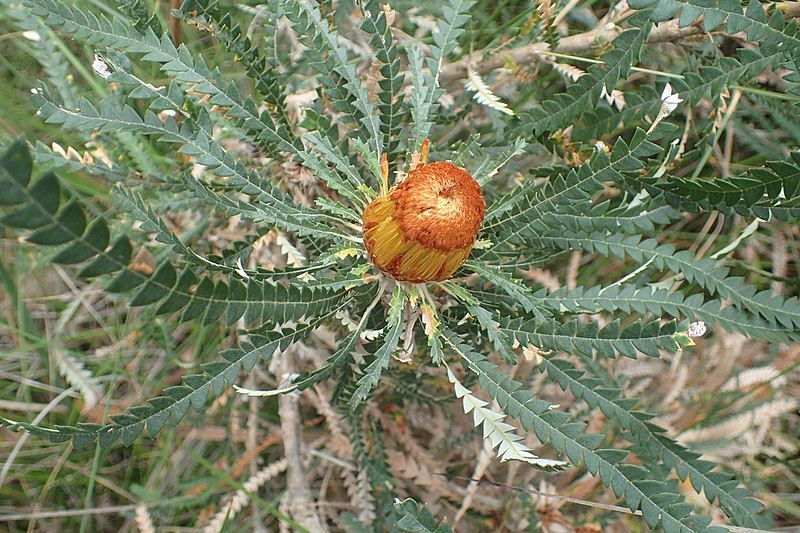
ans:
(175, 22)
(300, 503)
(574, 43)
(665, 32)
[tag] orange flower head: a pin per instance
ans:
(424, 229)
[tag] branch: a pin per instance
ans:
(301, 505)
(665, 32)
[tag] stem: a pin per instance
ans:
(666, 32)
(707, 153)
(671, 75)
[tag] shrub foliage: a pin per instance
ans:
(614, 201)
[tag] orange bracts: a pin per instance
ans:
(424, 228)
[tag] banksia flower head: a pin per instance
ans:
(423, 229)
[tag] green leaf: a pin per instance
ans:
(426, 90)
(705, 272)
(270, 206)
(390, 96)
(393, 328)
(660, 302)
(416, 519)
(510, 285)
(258, 62)
(16, 167)
(524, 214)
(310, 24)
(43, 199)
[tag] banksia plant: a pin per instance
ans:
(409, 229)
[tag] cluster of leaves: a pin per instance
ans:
(612, 203)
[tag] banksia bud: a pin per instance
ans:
(424, 228)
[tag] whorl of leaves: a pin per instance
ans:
(613, 202)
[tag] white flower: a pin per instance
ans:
(100, 67)
(32, 35)
(669, 100)
(697, 329)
